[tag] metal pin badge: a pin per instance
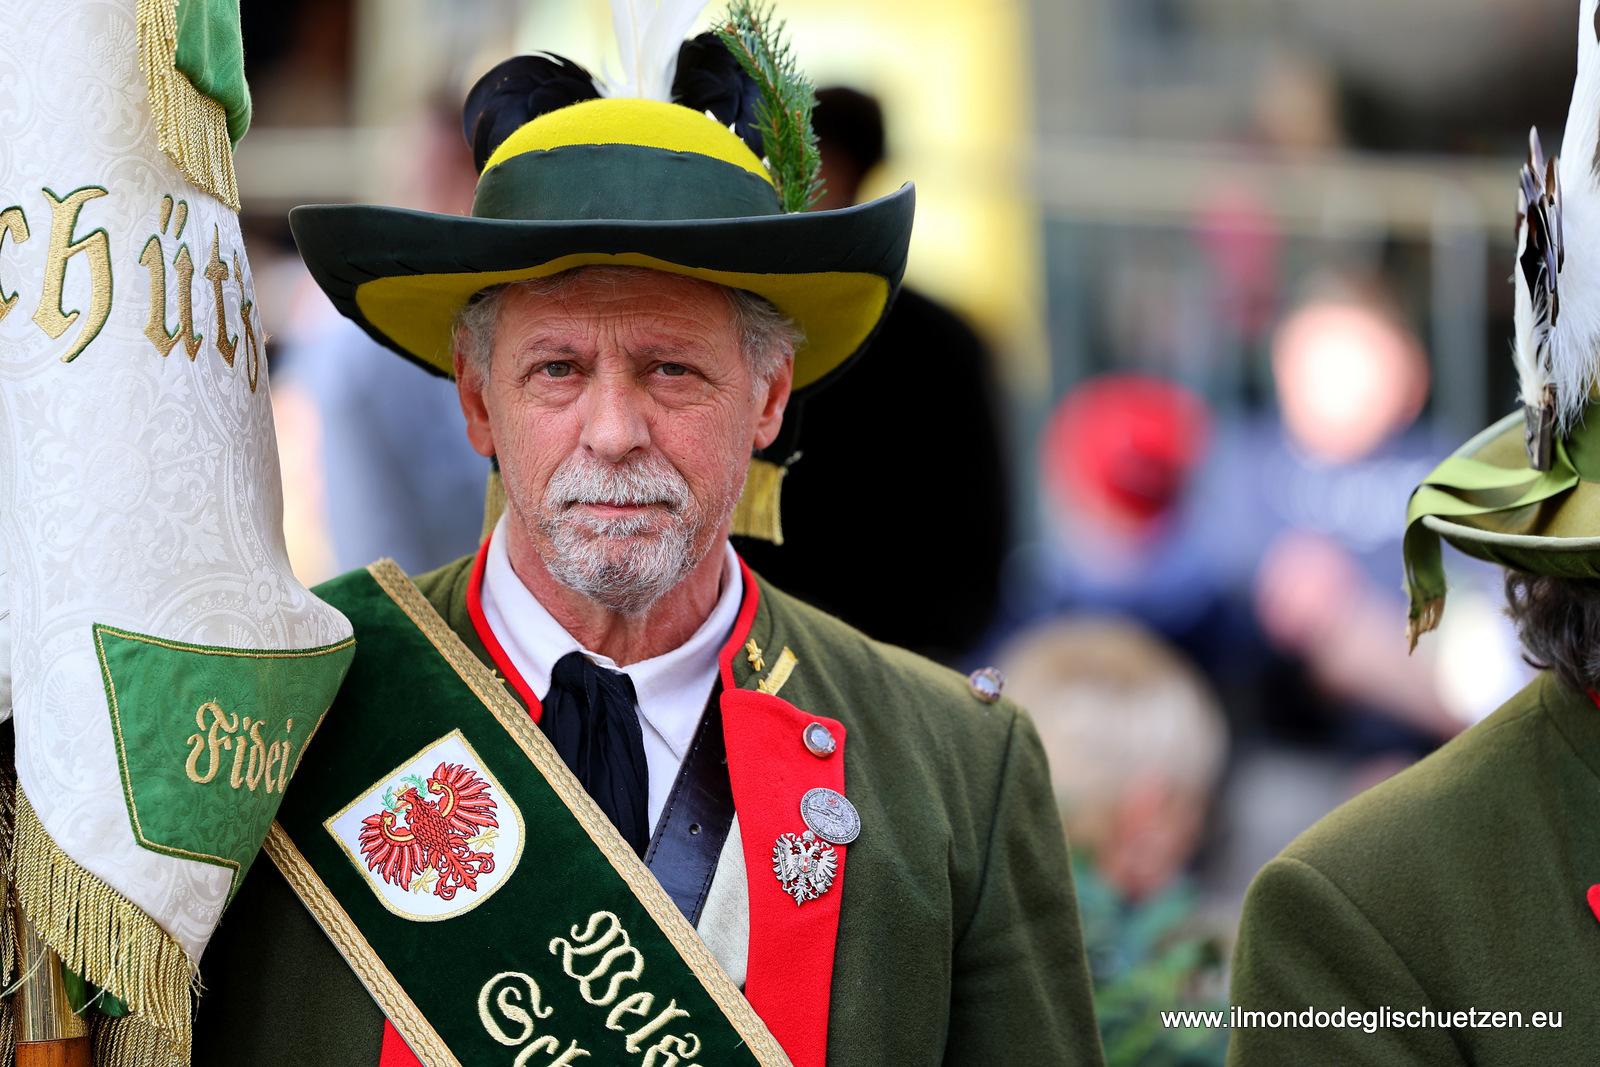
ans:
(819, 740)
(830, 816)
(986, 684)
(804, 865)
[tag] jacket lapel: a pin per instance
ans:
(790, 967)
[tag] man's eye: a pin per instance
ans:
(673, 370)
(557, 369)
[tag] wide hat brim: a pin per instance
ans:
(1488, 501)
(403, 276)
(1558, 535)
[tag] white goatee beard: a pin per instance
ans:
(619, 563)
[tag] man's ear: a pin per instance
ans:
(774, 399)
(472, 387)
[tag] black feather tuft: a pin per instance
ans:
(1542, 259)
(710, 79)
(518, 91)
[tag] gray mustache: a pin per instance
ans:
(642, 482)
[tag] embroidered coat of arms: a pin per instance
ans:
(444, 844)
(436, 836)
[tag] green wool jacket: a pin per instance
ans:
(958, 939)
(1459, 884)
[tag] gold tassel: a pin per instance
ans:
(192, 127)
(104, 937)
(757, 513)
(494, 504)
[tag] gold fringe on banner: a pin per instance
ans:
(8, 914)
(131, 1042)
(8, 840)
(193, 128)
(756, 514)
(8, 1031)
(104, 937)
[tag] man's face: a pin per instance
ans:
(623, 411)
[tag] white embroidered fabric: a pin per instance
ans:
(137, 490)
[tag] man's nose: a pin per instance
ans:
(615, 423)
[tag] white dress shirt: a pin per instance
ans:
(672, 688)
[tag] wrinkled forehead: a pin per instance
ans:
(635, 300)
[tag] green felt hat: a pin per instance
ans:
(1489, 501)
(618, 182)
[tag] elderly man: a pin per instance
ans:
(599, 792)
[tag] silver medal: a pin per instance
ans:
(830, 816)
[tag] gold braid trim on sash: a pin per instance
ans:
(420, 1035)
(192, 127)
(108, 940)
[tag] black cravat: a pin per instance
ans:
(589, 717)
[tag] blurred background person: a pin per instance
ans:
(1137, 744)
(1292, 494)
(398, 478)
(1118, 458)
(909, 455)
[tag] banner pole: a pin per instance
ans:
(49, 1032)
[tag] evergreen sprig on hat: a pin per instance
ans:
(783, 112)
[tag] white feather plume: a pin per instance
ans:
(649, 34)
(1537, 275)
(1558, 331)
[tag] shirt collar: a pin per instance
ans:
(667, 686)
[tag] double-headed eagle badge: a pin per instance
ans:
(805, 865)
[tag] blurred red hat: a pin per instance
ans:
(1123, 448)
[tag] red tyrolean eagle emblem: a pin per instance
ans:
(445, 844)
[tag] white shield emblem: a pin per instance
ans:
(436, 836)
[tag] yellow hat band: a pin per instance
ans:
(644, 123)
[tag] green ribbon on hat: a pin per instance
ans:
(1462, 487)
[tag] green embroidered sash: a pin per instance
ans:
(482, 898)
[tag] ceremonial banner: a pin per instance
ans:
(167, 669)
(486, 903)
